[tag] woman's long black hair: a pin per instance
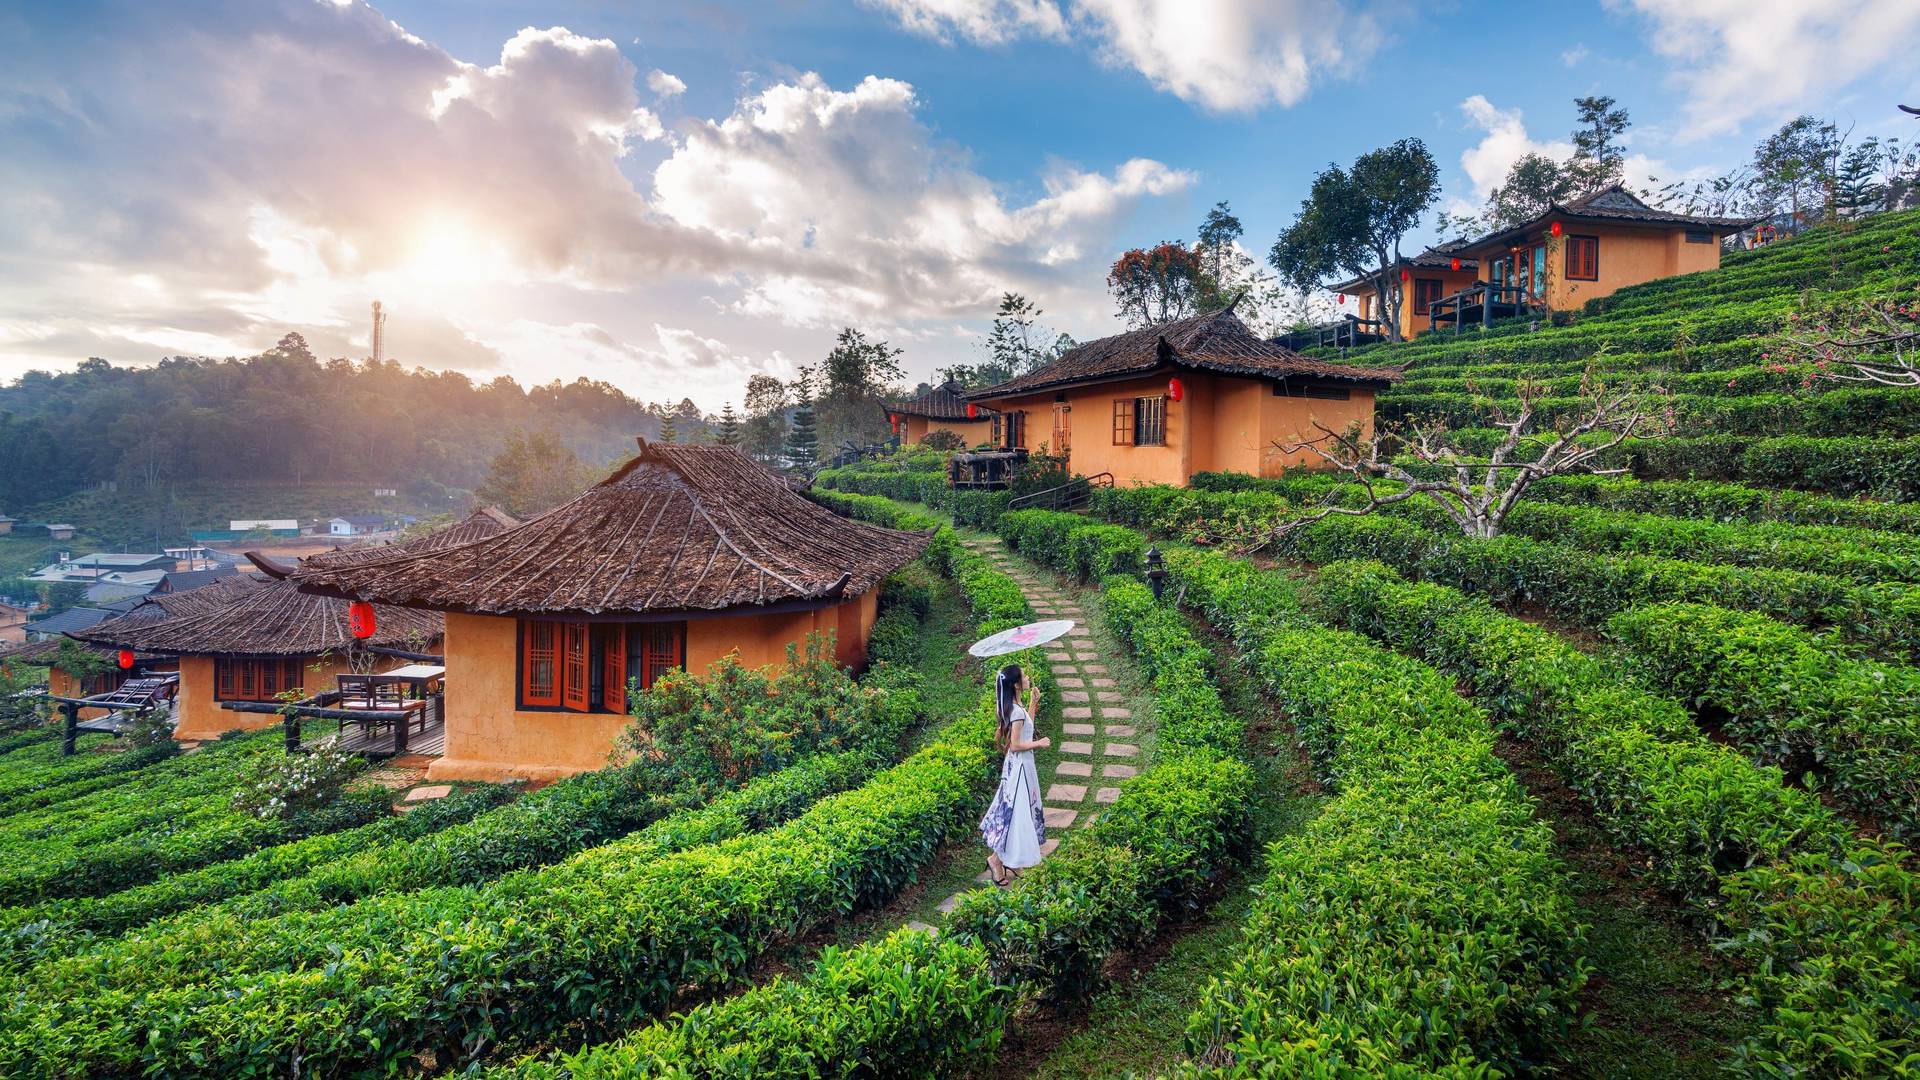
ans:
(1006, 692)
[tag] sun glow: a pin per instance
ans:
(448, 251)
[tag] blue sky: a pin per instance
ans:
(674, 196)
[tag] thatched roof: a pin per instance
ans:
(943, 402)
(1216, 341)
(1610, 205)
(484, 522)
(1434, 258)
(275, 619)
(677, 530)
(155, 608)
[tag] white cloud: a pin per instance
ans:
(1224, 55)
(1572, 57)
(665, 85)
(1503, 142)
(1737, 59)
(883, 222)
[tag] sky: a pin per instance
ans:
(673, 196)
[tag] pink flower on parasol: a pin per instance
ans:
(1021, 637)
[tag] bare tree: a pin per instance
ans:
(1875, 341)
(1482, 489)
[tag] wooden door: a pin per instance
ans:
(613, 681)
(540, 663)
(1062, 436)
(575, 693)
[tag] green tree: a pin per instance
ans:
(532, 473)
(1215, 240)
(1534, 183)
(802, 443)
(727, 432)
(1793, 167)
(669, 428)
(1353, 220)
(855, 377)
(765, 431)
(1599, 158)
(1157, 285)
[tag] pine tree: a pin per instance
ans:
(669, 429)
(727, 432)
(802, 443)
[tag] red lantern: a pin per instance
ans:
(1554, 228)
(126, 659)
(1456, 262)
(973, 410)
(1176, 389)
(1406, 275)
(360, 620)
(1343, 298)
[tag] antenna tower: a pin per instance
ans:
(379, 333)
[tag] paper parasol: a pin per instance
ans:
(1021, 637)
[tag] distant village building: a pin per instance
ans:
(942, 409)
(357, 525)
(13, 623)
(60, 532)
(270, 525)
(104, 566)
(684, 555)
(6, 524)
(1158, 404)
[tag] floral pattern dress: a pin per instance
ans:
(1015, 823)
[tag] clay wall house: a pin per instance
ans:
(1420, 280)
(1158, 404)
(682, 556)
(942, 409)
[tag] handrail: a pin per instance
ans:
(1070, 495)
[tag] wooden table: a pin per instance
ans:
(418, 683)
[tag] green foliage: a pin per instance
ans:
(293, 786)
(1073, 545)
(1791, 699)
(533, 473)
(21, 707)
(908, 1005)
(1364, 953)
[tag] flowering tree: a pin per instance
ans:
(1868, 341)
(1423, 460)
(1158, 284)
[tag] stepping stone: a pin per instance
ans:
(1116, 772)
(1076, 729)
(1119, 731)
(1060, 657)
(1075, 768)
(1079, 631)
(1120, 749)
(984, 877)
(1109, 683)
(1077, 712)
(1109, 695)
(1078, 697)
(951, 902)
(1096, 669)
(1115, 712)
(1091, 818)
(1083, 657)
(1107, 795)
(1072, 747)
(1066, 792)
(1047, 848)
(431, 791)
(919, 927)
(1058, 818)
(1072, 680)
(1064, 669)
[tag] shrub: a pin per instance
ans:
(295, 785)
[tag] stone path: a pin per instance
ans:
(1095, 756)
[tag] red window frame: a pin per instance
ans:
(557, 662)
(1583, 258)
(1425, 292)
(255, 678)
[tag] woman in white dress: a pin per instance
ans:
(1015, 824)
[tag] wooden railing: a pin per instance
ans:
(1481, 302)
(1071, 495)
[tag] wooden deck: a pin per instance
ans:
(431, 742)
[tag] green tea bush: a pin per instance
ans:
(1791, 699)
(1365, 954)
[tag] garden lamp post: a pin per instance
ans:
(1156, 572)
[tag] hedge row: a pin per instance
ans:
(1825, 923)
(1717, 501)
(55, 927)
(975, 509)
(1790, 698)
(1883, 411)
(909, 1005)
(167, 790)
(1071, 544)
(42, 770)
(1365, 953)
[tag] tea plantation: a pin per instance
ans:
(1625, 791)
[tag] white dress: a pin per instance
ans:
(1015, 824)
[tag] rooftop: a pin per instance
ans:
(943, 402)
(677, 529)
(1215, 341)
(1610, 204)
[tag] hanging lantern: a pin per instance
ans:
(126, 659)
(1406, 275)
(1176, 389)
(973, 411)
(360, 620)
(1343, 298)
(1456, 262)
(1554, 228)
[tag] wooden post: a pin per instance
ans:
(71, 736)
(290, 728)
(1486, 307)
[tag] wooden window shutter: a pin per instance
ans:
(223, 679)
(613, 689)
(539, 663)
(1583, 258)
(666, 650)
(1123, 422)
(269, 678)
(249, 680)
(296, 676)
(576, 691)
